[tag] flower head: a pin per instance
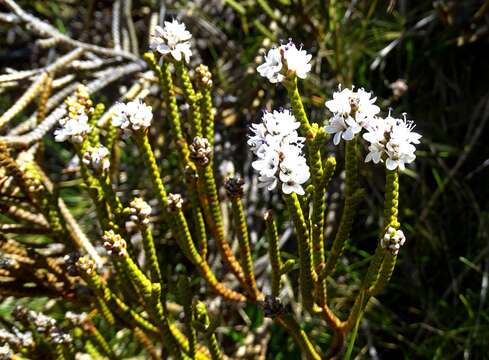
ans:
(352, 111)
(140, 211)
(172, 39)
(278, 148)
(283, 60)
(73, 128)
(297, 60)
(114, 243)
(272, 67)
(391, 139)
(133, 116)
(393, 240)
(97, 158)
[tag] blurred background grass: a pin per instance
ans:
(436, 304)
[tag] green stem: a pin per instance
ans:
(202, 318)
(298, 108)
(274, 253)
(352, 200)
(212, 206)
(306, 271)
(244, 242)
(391, 202)
(299, 335)
(186, 296)
(198, 217)
(150, 251)
(187, 245)
(191, 97)
(207, 115)
(101, 343)
(168, 93)
(152, 168)
(94, 134)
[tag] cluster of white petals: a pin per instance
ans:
(140, 211)
(284, 59)
(133, 116)
(73, 128)
(391, 139)
(393, 240)
(278, 147)
(352, 111)
(172, 39)
(97, 158)
(114, 243)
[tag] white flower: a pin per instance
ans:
(284, 59)
(97, 158)
(293, 173)
(140, 211)
(393, 240)
(272, 66)
(393, 137)
(172, 39)
(73, 128)
(343, 128)
(375, 153)
(278, 148)
(352, 111)
(133, 116)
(297, 60)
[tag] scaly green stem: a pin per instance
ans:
(298, 108)
(352, 199)
(212, 205)
(307, 275)
(185, 295)
(244, 243)
(150, 251)
(187, 245)
(197, 215)
(94, 134)
(274, 253)
(299, 335)
(168, 94)
(191, 97)
(100, 342)
(383, 262)
(318, 209)
(391, 207)
(391, 202)
(152, 297)
(94, 190)
(150, 163)
(203, 321)
(207, 115)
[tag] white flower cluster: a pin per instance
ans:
(16, 338)
(172, 39)
(351, 111)
(97, 158)
(393, 139)
(75, 318)
(140, 211)
(74, 127)
(58, 336)
(114, 243)
(5, 351)
(278, 146)
(284, 59)
(133, 116)
(393, 240)
(390, 139)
